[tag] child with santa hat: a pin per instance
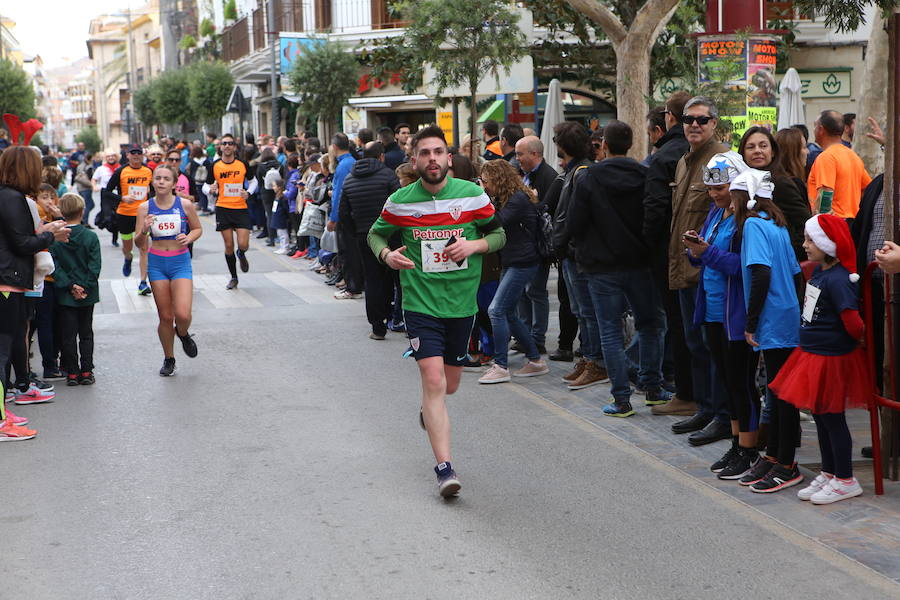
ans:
(827, 373)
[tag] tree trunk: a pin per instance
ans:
(632, 86)
(872, 99)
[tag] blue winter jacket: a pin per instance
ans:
(728, 263)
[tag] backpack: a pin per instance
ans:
(200, 174)
(545, 231)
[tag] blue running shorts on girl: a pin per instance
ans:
(169, 264)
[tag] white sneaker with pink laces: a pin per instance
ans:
(837, 489)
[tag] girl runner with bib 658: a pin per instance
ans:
(172, 224)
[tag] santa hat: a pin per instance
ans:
(723, 168)
(756, 183)
(832, 236)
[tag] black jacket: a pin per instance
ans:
(575, 172)
(364, 193)
(520, 222)
(394, 156)
(18, 242)
(261, 170)
(789, 194)
(658, 191)
(542, 181)
(606, 217)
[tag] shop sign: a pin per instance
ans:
(445, 122)
(824, 84)
(290, 49)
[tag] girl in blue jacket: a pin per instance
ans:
(720, 310)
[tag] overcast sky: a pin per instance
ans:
(58, 29)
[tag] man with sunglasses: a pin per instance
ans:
(227, 180)
(127, 189)
(690, 204)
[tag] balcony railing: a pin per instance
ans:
(236, 41)
(259, 29)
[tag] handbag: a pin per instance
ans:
(329, 241)
(312, 223)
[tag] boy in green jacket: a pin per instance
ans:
(77, 290)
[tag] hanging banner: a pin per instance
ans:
(722, 58)
(761, 84)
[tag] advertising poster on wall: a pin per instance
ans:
(722, 58)
(761, 84)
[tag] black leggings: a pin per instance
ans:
(737, 363)
(784, 429)
(12, 326)
(835, 444)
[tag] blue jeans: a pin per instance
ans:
(534, 307)
(583, 308)
(88, 196)
(504, 319)
(709, 387)
(611, 294)
(486, 292)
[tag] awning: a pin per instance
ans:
(495, 112)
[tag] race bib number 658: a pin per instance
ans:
(436, 260)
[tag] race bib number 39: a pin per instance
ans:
(233, 190)
(436, 260)
(166, 225)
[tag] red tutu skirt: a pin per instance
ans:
(824, 384)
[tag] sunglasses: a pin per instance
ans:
(135, 152)
(689, 119)
(596, 145)
(227, 143)
(174, 159)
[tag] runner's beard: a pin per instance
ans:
(431, 179)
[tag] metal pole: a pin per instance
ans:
(273, 38)
(456, 141)
(131, 69)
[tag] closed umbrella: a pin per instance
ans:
(790, 105)
(553, 114)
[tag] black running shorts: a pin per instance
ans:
(432, 336)
(232, 218)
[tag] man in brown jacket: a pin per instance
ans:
(690, 205)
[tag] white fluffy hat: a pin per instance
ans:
(723, 168)
(756, 183)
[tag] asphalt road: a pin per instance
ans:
(286, 461)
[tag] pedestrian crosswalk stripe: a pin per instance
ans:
(305, 288)
(213, 288)
(127, 298)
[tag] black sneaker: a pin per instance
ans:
(232, 284)
(86, 378)
(723, 462)
(72, 380)
(562, 355)
(471, 365)
(757, 472)
(448, 484)
(188, 345)
(740, 465)
(242, 259)
(777, 479)
(656, 397)
(168, 368)
(54, 375)
(40, 383)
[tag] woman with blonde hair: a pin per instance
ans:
(519, 259)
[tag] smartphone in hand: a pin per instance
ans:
(451, 241)
(691, 238)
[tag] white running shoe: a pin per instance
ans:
(836, 490)
(816, 485)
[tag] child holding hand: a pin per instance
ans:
(827, 374)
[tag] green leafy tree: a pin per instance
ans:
(632, 29)
(324, 76)
(17, 96)
(844, 15)
(463, 41)
(90, 138)
(145, 105)
(209, 87)
(169, 99)
(230, 10)
(187, 42)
